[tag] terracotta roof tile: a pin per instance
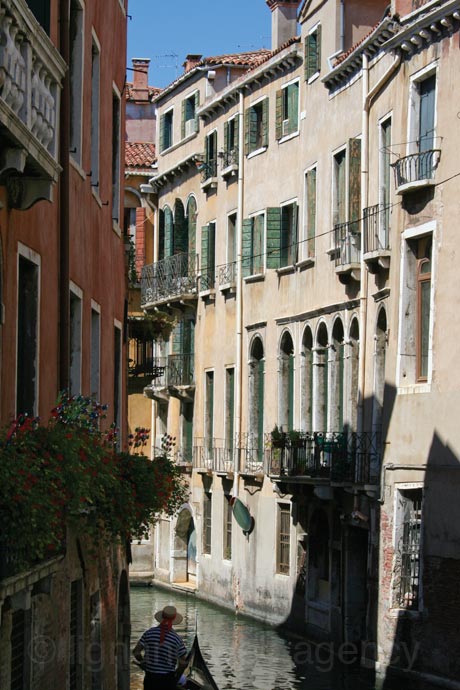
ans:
(245, 59)
(153, 91)
(351, 50)
(139, 154)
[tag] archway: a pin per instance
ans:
(184, 554)
(286, 383)
(256, 398)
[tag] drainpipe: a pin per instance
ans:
(368, 98)
(239, 291)
(64, 211)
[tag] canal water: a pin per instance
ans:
(243, 654)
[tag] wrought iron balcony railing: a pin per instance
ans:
(417, 167)
(227, 274)
(347, 243)
(338, 456)
(207, 280)
(375, 229)
(251, 453)
(229, 157)
(174, 276)
(208, 169)
(213, 454)
(149, 367)
(181, 370)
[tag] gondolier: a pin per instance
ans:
(161, 651)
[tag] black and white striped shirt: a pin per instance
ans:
(161, 658)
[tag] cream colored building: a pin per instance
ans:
(306, 202)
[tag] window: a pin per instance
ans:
(253, 245)
(347, 207)
(231, 131)
(208, 256)
(166, 130)
(207, 522)
(41, 10)
(210, 156)
(76, 632)
(339, 187)
(76, 23)
(256, 127)
(186, 410)
(385, 184)
(95, 106)
(407, 581)
(313, 53)
(256, 387)
(288, 244)
(287, 110)
(286, 383)
(229, 415)
(416, 308)
(95, 352)
(306, 364)
(310, 193)
(228, 517)
(116, 123)
(231, 238)
(209, 410)
(75, 340)
(284, 539)
(189, 123)
(27, 338)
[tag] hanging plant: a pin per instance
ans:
(152, 326)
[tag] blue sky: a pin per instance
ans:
(167, 30)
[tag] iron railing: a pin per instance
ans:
(347, 243)
(183, 456)
(149, 367)
(171, 277)
(416, 167)
(181, 370)
(375, 229)
(208, 169)
(338, 456)
(213, 454)
(207, 279)
(251, 453)
(227, 274)
(229, 157)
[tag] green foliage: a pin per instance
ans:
(68, 473)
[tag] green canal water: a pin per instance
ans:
(243, 654)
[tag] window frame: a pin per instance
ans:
(283, 539)
(308, 239)
(75, 381)
(291, 249)
(32, 257)
(259, 147)
(166, 124)
(76, 76)
(312, 75)
(194, 98)
(252, 217)
(116, 158)
(95, 111)
(413, 119)
(284, 115)
(206, 544)
(227, 529)
(400, 493)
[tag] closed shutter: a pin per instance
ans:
(427, 90)
(177, 338)
(291, 392)
(253, 120)
(182, 122)
(161, 235)
(180, 228)
(265, 122)
(273, 237)
(293, 107)
(169, 232)
(162, 133)
(295, 221)
(258, 248)
(311, 211)
(236, 131)
(354, 182)
(191, 218)
(187, 430)
(318, 49)
(247, 128)
(279, 113)
(204, 250)
(247, 246)
(260, 407)
(226, 133)
(197, 105)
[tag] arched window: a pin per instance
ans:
(286, 383)
(256, 397)
(423, 309)
(306, 402)
(337, 377)
(320, 364)
(180, 234)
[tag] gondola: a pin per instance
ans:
(197, 672)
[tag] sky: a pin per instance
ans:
(167, 30)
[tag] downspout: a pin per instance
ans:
(239, 294)
(64, 210)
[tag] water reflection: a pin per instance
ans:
(243, 654)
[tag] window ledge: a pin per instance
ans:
(256, 278)
(257, 152)
(288, 137)
(207, 294)
(227, 286)
(210, 183)
(229, 170)
(116, 228)
(313, 77)
(332, 252)
(76, 166)
(96, 197)
(305, 263)
(189, 137)
(414, 389)
(285, 270)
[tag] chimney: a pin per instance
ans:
(284, 20)
(141, 79)
(191, 61)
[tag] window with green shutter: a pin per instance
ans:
(166, 130)
(253, 245)
(339, 182)
(161, 234)
(180, 228)
(256, 127)
(211, 155)
(273, 237)
(354, 183)
(310, 182)
(287, 110)
(169, 232)
(189, 121)
(313, 53)
(288, 241)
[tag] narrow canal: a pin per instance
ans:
(243, 654)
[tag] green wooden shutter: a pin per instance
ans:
(226, 128)
(161, 235)
(204, 250)
(273, 237)
(191, 218)
(354, 181)
(180, 228)
(177, 337)
(247, 129)
(291, 392)
(247, 246)
(253, 120)
(306, 57)
(236, 131)
(169, 231)
(182, 122)
(197, 105)
(279, 114)
(293, 102)
(295, 221)
(260, 406)
(311, 211)
(162, 133)
(187, 429)
(318, 49)
(265, 122)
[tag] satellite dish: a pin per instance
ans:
(242, 515)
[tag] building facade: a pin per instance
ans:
(306, 196)
(63, 290)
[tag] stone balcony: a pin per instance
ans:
(31, 72)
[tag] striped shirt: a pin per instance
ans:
(161, 658)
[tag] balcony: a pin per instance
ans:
(252, 455)
(208, 169)
(31, 72)
(339, 457)
(213, 455)
(171, 279)
(207, 281)
(416, 171)
(226, 276)
(158, 388)
(180, 376)
(229, 162)
(376, 236)
(347, 251)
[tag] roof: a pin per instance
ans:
(343, 56)
(140, 154)
(153, 91)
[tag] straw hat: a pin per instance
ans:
(169, 613)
